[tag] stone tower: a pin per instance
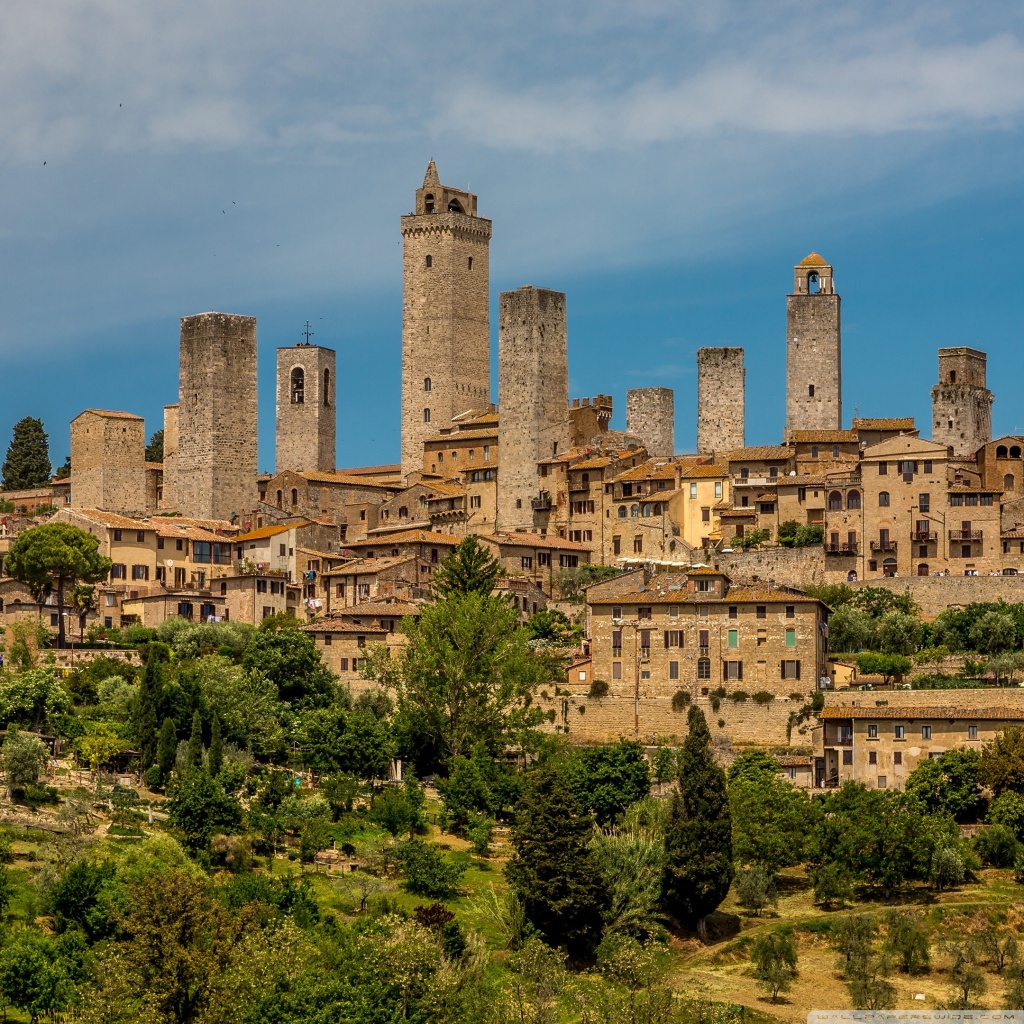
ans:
(721, 381)
(961, 401)
(650, 415)
(217, 416)
(306, 414)
(533, 396)
(108, 453)
(169, 497)
(446, 366)
(814, 379)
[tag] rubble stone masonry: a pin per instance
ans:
(720, 399)
(650, 415)
(306, 411)
(108, 456)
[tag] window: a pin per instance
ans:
(853, 500)
(873, 757)
(693, 490)
(616, 670)
(791, 638)
(835, 501)
(487, 453)
(469, 262)
(734, 638)
(704, 638)
(704, 586)
(643, 613)
(426, 418)
(327, 387)
(616, 642)
(924, 503)
(140, 572)
(897, 732)
(429, 261)
(733, 670)
(118, 572)
(616, 545)
(673, 611)
(298, 386)
(526, 562)
(972, 732)
(427, 384)
(117, 535)
(926, 732)
(734, 612)
(847, 757)
(718, 488)
(568, 561)
(673, 670)
(159, 543)
(616, 613)
(645, 641)
(872, 732)
(673, 638)
(638, 545)
(926, 466)
(882, 782)
(474, 501)
(810, 390)
(790, 669)
(705, 515)
(883, 499)
(703, 668)
(790, 611)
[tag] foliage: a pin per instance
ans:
(427, 871)
(289, 659)
(469, 569)
(833, 885)
(1008, 809)
(167, 748)
(799, 535)
(898, 633)
(1002, 762)
(34, 698)
(23, 758)
(949, 784)
(966, 978)
(155, 448)
(997, 846)
(335, 739)
(28, 457)
(58, 555)
(885, 665)
(993, 633)
(698, 835)
(77, 899)
(774, 958)
(552, 625)
(199, 808)
(553, 870)
(947, 868)
(570, 584)
(907, 941)
(756, 889)
(608, 779)
(393, 812)
(598, 689)
(750, 539)
(38, 974)
(100, 744)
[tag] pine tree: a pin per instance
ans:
(698, 836)
(150, 690)
(28, 457)
(155, 448)
(216, 748)
(194, 757)
(167, 748)
(553, 871)
(469, 569)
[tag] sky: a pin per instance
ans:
(664, 163)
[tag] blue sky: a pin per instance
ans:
(664, 163)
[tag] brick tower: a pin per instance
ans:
(306, 414)
(217, 416)
(961, 401)
(651, 416)
(533, 396)
(108, 451)
(721, 381)
(445, 320)
(814, 378)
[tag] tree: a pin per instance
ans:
(427, 871)
(216, 748)
(553, 870)
(76, 899)
(34, 697)
(1002, 762)
(607, 779)
(877, 601)
(167, 748)
(993, 633)
(949, 784)
(194, 755)
(24, 757)
(898, 633)
(99, 745)
(64, 469)
(28, 457)
(907, 941)
(199, 808)
(997, 846)
(833, 885)
(966, 978)
(82, 600)
(698, 835)
(755, 889)
(469, 569)
(553, 625)
(288, 658)
(58, 554)
(155, 448)
(774, 958)
(850, 629)
(38, 975)
(884, 665)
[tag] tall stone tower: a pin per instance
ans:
(108, 453)
(169, 498)
(721, 381)
(651, 416)
(446, 365)
(533, 396)
(961, 401)
(217, 416)
(306, 414)
(814, 378)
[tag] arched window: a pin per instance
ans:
(426, 415)
(853, 500)
(327, 387)
(646, 510)
(295, 496)
(1001, 452)
(835, 501)
(922, 569)
(622, 512)
(428, 203)
(1008, 482)
(813, 283)
(889, 567)
(427, 384)
(883, 499)
(703, 668)
(634, 511)
(280, 499)
(1015, 452)
(428, 262)
(454, 206)
(298, 386)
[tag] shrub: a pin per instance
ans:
(833, 885)
(680, 700)
(427, 871)
(716, 702)
(739, 695)
(997, 846)
(763, 697)
(755, 889)
(598, 688)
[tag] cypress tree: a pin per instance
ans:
(28, 457)
(167, 748)
(150, 691)
(194, 758)
(698, 836)
(216, 748)
(553, 870)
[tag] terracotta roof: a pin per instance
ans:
(597, 462)
(535, 540)
(406, 537)
(657, 471)
(704, 570)
(110, 414)
(463, 435)
(884, 423)
(760, 453)
(111, 519)
(822, 436)
(813, 260)
(794, 760)
(917, 713)
(371, 470)
(737, 513)
(1017, 533)
(476, 416)
(445, 490)
(370, 608)
(335, 626)
(187, 531)
(344, 478)
(267, 531)
(367, 566)
(706, 469)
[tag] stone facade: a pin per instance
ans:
(721, 383)
(533, 396)
(961, 401)
(217, 416)
(108, 453)
(650, 416)
(813, 349)
(169, 496)
(446, 365)
(306, 413)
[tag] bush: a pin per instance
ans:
(153, 777)
(680, 700)
(739, 695)
(598, 688)
(427, 871)
(755, 889)
(833, 885)
(997, 846)
(763, 697)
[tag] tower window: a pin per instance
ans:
(428, 206)
(469, 263)
(298, 386)
(426, 384)
(429, 261)
(455, 206)
(810, 390)
(426, 415)
(813, 284)
(952, 376)
(327, 387)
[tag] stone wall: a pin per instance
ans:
(792, 567)
(306, 412)
(170, 483)
(217, 416)
(533, 396)
(108, 456)
(813, 358)
(720, 399)
(936, 593)
(650, 415)
(961, 401)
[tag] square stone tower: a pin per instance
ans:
(651, 416)
(169, 499)
(306, 415)
(217, 416)
(108, 460)
(814, 379)
(721, 397)
(533, 396)
(446, 359)
(961, 401)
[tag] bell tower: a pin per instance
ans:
(446, 357)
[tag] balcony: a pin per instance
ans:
(755, 481)
(923, 536)
(841, 549)
(883, 545)
(542, 503)
(966, 534)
